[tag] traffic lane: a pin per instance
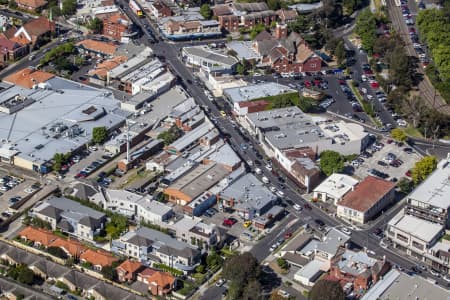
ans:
(213, 292)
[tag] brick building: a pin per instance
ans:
(117, 26)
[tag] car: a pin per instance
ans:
(265, 179)
(220, 282)
(211, 211)
(223, 114)
(446, 278)
(283, 294)
(307, 206)
(6, 214)
(346, 230)
(273, 248)
(297, 207)
(229, 222)
(408, 150)
(382, 163)
(280, 193)
(258, 171)
(269, 167)
(247, 224)
(70, 297)
(28, 190)
(319, 222)
(435, 273)
(93, 148)
(287, 235)
(273, 189)
(408, 173)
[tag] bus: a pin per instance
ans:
(136, 9)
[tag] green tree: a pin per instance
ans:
(58, 252)
(257, 29)
(69, 7)
(96, 25)
(274, 4)
(327, 290)
(240, 269)
(252, 291)
(401, 67)
(59, 159)
(109, 273)
(399, 135)
(22, 274)
(331, 162)
(205, 11)
(200, 269)
(366, 28)
(423, 168)
(282, 263)
(99, 134)
(340, 52)
(170, 135)
(213, 259)
(12, 4)
(405, 185)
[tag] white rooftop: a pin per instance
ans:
(311, 269)
(256, 91)
(419, 228)
(337, 185)
(435, 190)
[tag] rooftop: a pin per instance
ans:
(143, 201)
(355, 263)
(256, 91)
(224, 155)
(244, 49)
(75, 209)
(337, 185)
(424, 230)
(311, 269)
(400, 286)
(212, 55)
(28, 77)
(98, 46)
(332, 241)
(192, 136)
(367, 193)
(248, 192)
(435, 190)
(131, 64)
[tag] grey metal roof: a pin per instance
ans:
(211, 56)
(256, 91)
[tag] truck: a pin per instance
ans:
(136, 9)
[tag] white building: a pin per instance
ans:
(210, 60)
(334, 188)
(309, 273)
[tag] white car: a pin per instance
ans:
(383, 244)
(434, 273)
(297, 207)
(402, 123)
(283, 294)
(269, 167)
(273, 189)
(258, 171)
(250, 163)
(29, 190)
(446, 278)
(273, 248)
(346, 230)
(220, 282)
(93, 148)
(265, 179)
(280, 193)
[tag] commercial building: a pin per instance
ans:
(413, 235)
(248, 196)
(194, 183)
(235, 16)
(71, 217)
(398, 285)
(96, 48)
(118, 27)
(34, 33)
(366, 200)
(193, 137)
(11, 51)
(334, 188)
(34, 6)
(180, 28)
(151, 246)
(310, 272)
(255, 92)
(58, 116)
(210, 60)
(303, 170)
(431, 200)
(284, 129)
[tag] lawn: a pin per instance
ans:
(413, 132)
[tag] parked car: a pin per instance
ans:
(297, 207)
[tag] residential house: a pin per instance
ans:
(34, 6)
(192, 230)
(287, 16)
(128, 270)
(117, 26)
(71, 247)
(71, 217)
(159, 9)
(357, 269)
(160, 283)
(151, 246)
(77, 281)
(366, 200)
(97, 258)
(11, 51)
(40, 237)
(286, 53)
(96, 48)
(35, 32)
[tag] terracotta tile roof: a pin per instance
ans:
(367, 193)
(263, 35)
(98, 258)
(221, 10)
(99, 47)
(20, 40)
(9, 33)
(28, 77)
(31, 3)
(118, 18)
(73, 247)
(38, 235)
(39, 26)
(147, 272)
(304, 52)
(161, 279)
(8, 45)
(287, 14)
(254, 106)
(130, 266)
(109, 64)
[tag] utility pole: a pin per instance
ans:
(128, 140)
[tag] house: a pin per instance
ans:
(287, 16)
(310, 272)
(128, 270)
(334, 188)
(71, 217)
(285, 53)
(71, 247)
(96, 48)
(366, 200)
(77, 281)
(160, 283)
(34, 6)
(28, 77)
(35, 32)
(117, 27)
(159, 10)
(357, 269)
(151, 246)
(40, 237)
(11, 51)
(97, 258)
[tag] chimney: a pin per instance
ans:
(281, 31)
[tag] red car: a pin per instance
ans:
(307, 206)
(374, 85)
(307, 83)
(229, 222)
(408, 173)
(389, 141)
(287, 235)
